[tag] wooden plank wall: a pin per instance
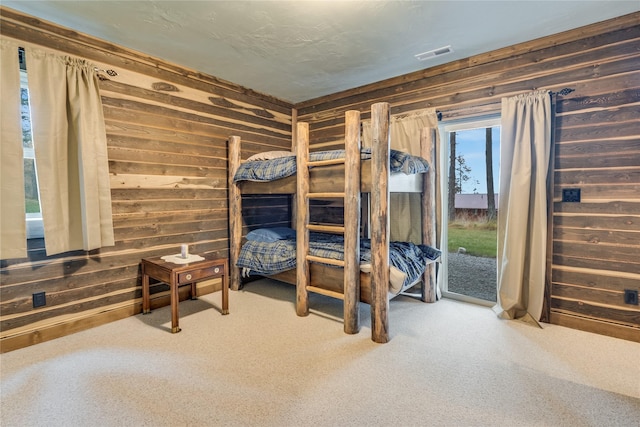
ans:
(595, 243)
(167, 128)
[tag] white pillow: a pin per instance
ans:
(396, 277)
(269, 155)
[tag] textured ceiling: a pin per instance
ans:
(299, 50)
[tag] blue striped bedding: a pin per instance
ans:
(282, 167)
(266, 258)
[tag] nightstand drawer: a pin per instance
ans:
(200, 273)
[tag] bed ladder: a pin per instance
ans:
(350, 228)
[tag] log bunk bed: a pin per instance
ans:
(347, 178)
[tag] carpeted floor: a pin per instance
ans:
(447, 364)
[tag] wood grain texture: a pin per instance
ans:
(380, 136)
(176, 141)
(428, 202)
(590, 324)
(329, 278)
(352, 223)
(330, 179)
(302, 219)
(235, 213)
(596, 146)
(167, 130)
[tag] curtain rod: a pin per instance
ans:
(112, 73)
(565, 91)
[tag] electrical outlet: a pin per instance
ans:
(631, 296)
(39, 299)
(571, 195)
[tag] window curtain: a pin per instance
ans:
(71, 152)
(525, 149)
(13, 231)
(405, 209)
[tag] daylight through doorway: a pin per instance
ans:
(470, 217)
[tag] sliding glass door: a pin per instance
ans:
(471, 153)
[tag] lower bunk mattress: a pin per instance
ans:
(269, 252)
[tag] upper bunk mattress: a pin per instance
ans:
(283, 166)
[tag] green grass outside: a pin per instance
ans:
(478, 238)
(32, 206)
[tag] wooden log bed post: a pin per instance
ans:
(302, 219)
(352, 223)
(294, 139)
(235, 213)
(427, 151)
(380, 222)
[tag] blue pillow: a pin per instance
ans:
(270, 235)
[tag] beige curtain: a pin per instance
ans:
(405, 209)
(525, 146)
(13, 234)
(71, 152)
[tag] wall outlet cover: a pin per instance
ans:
(39, 299)
(571, 195)
(631, 296)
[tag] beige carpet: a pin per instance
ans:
(447, 364)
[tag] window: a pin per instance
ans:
(32, 199)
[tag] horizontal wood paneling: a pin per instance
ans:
(167, 129)
(596, 242)
(590, 324)
(597, 311)
(43, 33)
(525, 69)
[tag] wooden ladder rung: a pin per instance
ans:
(330, 261)
(325, 195)
(326, 292)
(328, 162)
(335, 229)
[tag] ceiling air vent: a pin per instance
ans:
(433, 53)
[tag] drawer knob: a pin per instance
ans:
(217, 270)
(188, 276)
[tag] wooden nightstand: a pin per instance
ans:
(176, 275)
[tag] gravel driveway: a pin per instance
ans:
(473, 276)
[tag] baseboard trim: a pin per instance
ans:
(596, 326)
(59, 329)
